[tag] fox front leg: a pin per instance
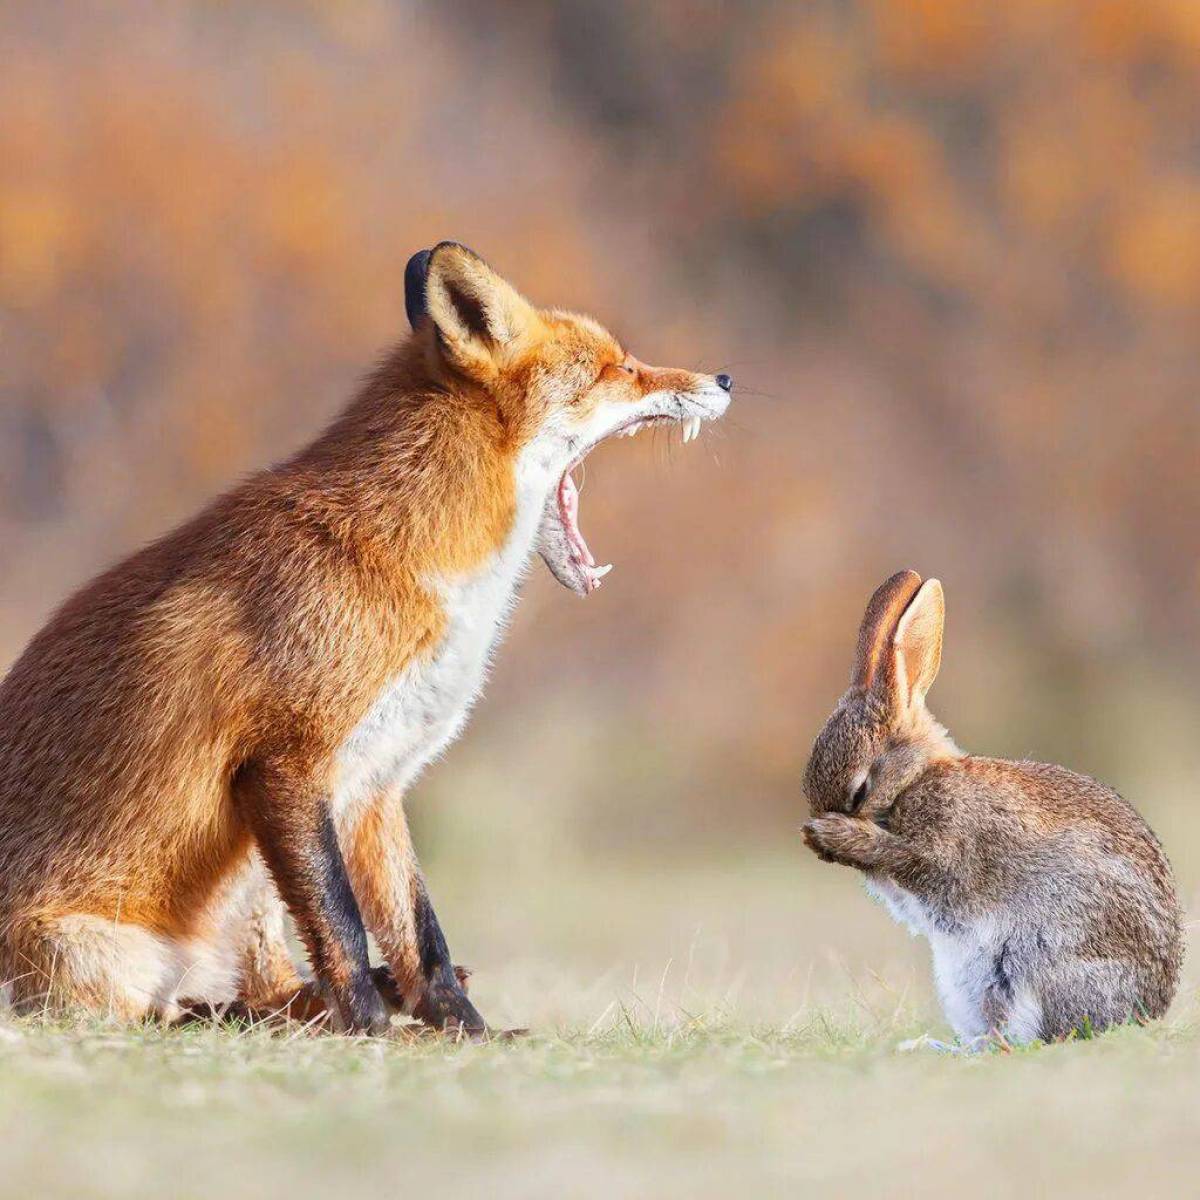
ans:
(443, 1003)
(393, 993)
(420, 979)
(287, 811)
(437, 994)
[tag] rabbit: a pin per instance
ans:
(1048, 902)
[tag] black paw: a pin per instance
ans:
(365, 1010)
(388, 988)
(445, 1006)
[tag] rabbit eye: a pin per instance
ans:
(858, 799)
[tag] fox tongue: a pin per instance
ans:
(568, 506)
(562, 545)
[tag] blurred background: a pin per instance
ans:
(948, 249)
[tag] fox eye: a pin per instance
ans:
(623, 368)
(860, 794)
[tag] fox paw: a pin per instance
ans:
(392, 992)
(445, 1006)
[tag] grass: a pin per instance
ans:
(689, 1106)
(725, 1027)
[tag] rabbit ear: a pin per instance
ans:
(918, 641)
(874, 658)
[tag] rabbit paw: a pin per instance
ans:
(838, 838)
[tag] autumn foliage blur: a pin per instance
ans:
(949, 250)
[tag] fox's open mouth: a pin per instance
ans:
(563, 545)
(568, 513)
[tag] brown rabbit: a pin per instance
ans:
(1048, 902)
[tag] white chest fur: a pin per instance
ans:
(964, 962)
(420, 712)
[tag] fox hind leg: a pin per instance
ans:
(80, 964)
(257, 923)
(253, 923)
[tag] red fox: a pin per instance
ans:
(226, 723)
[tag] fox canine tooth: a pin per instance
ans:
(600, 572)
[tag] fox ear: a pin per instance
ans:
(478, 315)
(414, 286)
(873, 658)
(918, 641)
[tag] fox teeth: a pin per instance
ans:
(600, 572)
(691, 429)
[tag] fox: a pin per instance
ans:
(221, 729)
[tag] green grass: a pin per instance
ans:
(723, 1027)
(689, 1106)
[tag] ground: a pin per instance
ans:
(691, 1110)
(742, 1038)
(714, 1012)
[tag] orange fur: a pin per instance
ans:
(205, 684)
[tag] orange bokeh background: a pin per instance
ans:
(949, 250)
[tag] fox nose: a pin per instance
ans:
(725, 383)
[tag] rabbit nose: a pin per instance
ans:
(725, 383)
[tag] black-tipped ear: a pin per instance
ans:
(415, 275)
(480, 318)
